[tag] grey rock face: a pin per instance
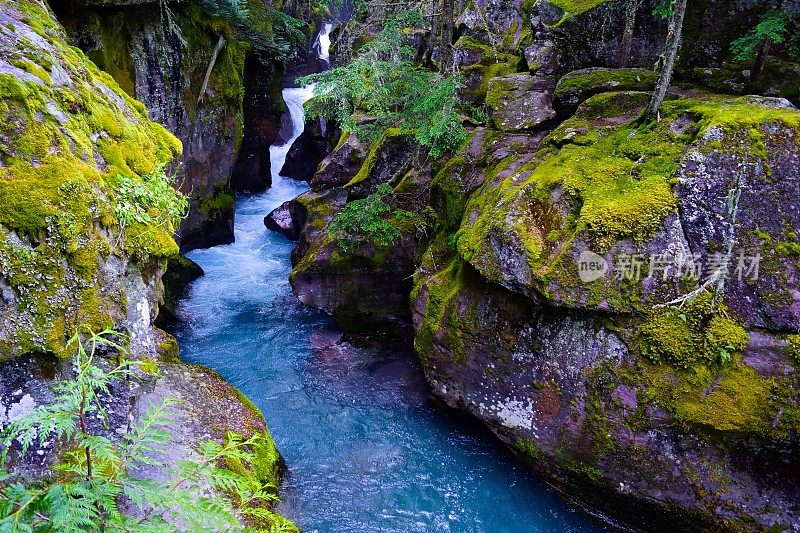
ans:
(281, 221)
(520, 102)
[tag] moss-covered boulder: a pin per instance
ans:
(360, 242)
(76, 247)
(202, 407)
(603, 184)
(479, 62)
(659, 389)
(339, 167)
(520, 102)
(577, 86)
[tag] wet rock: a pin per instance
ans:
(181, 271)
(261, 125)
(520, 102)
(340, 166)
(308, 151)
(280, 220)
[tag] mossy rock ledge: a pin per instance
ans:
(68, 134)
(690, 411)
(680, 415)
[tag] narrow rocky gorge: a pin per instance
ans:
(77, 252)
(614, 296)
(664, 397)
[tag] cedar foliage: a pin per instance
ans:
(384, 86)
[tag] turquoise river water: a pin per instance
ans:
(367, 451)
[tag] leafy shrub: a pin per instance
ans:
(383, 83)
(368, 220)
(151, 200)
(95, 486)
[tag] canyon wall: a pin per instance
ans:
(562, 271)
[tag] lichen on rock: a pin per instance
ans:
(65, 143)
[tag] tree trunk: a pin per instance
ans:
(758, 67)
(670, 53)
(631, 9)
(446, 43)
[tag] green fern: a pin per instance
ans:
(95, 486)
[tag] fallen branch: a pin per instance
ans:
(214, 55)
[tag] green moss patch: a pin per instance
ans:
(64, 149)
(572, 8)
(692, 335)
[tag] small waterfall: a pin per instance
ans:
(294, 98)
(323, 43)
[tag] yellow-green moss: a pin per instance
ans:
(529, 450)
(378, 145)
(572, 8)
(592, 81)
(738, 401)
(692, 335)
(794, 348)
(62, 148)
(218, 204)
(620, 181)
(442, 291)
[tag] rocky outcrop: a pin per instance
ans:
(576, 87)
(262, 123)
(309, 150)
(362, 279)
(85, 235)
(180, 272)
(202, 407)
(592, 379)
(340, 166)
(615, 299)
(73, 250)
(283, 221)
(226, 131)
(520, 102)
